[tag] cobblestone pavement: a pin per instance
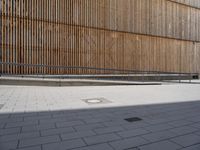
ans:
(57, 118)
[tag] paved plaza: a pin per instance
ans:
(60, 118)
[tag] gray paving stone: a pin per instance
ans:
(96, 120)
(187, 140)
(101, 139)
(193, 147)
(20, 124)
(38, 127)
(135, 125)
(104, 114)
(4, 116)
(64, 145)
(115, 123)
(195, 125)
(156, 121)
(88, 127)
(8, 145)
(164, 145)
(194, 119)
(76, 135)
(183, 130)
(197, 133)
(132, 133)
(84, 116)
(69, 123)
(57, 131)
(108, 130)
(23, 114)
(2, 125)
(128, 143)
(63, 115)
(9, 131)
(159, 127)
(96, 147)
(31, 148)
(133, 149)
(11, 120)
(13, 137)
(30, 118)
(45, 113)
(179, 123)
(53, 120)
(38, 141)
(157, 136)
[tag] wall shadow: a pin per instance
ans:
(94, 127)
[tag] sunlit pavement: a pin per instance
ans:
(48, 118)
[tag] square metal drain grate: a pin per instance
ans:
(1, 106)
(95, 101)
(134, 119)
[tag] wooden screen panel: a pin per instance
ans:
(148, 15)
(140, 11)
(1, 34)
(140, 34)
(96, 52)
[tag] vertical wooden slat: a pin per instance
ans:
(3, 35)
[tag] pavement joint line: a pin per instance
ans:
(192, 145)
(39, 144)
(176, 143)
(168, 138)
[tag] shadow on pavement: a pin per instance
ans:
(131, 127)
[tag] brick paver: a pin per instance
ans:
(56, 131)
(164, 145)
(75, 135)
(64, 145)
(193, 147)
(30, 148)
(8, 145)
(96, 147)
(101, 139)
(187, 140)
(38, 141)
(128, 143)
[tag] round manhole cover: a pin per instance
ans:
(94, 101)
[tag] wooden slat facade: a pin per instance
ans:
(146, 35)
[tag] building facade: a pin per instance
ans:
(145, 35)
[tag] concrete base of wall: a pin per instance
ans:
(68, 82)
(93, 80)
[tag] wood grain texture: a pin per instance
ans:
(147, 35)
